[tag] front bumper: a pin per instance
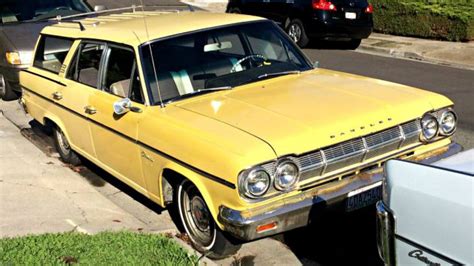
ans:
(296, 211)
(385, 233)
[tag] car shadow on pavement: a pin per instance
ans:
(336, 238)
(41, 136)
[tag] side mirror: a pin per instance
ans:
(122, 106)
(316, 64)
(100, 8)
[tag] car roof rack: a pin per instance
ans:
(133, 8)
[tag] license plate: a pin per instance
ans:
(351, 15)
(364, 197)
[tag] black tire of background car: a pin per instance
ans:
(353, 44)
(10, 94)
(70, 156)
(223, 246)
(303, 40)
(234, 10)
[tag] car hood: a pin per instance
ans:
(298, 113)
(23, 36)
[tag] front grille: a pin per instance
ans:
(359, 150)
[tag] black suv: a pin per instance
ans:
(349, 20)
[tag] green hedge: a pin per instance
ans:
(451, 20)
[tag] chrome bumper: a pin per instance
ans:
(295, 211)
(385, 233)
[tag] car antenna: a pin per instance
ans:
(152, 57)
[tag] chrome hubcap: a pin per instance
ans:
(198, 218)
(200, 214)
(295, 32)
(3, 86)
(63, 144)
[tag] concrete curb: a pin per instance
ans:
(366, 48)
(172, 234)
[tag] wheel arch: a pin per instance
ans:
(54, 121)
(173, 174)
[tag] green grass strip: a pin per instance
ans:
(107, 248)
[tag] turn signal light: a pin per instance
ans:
(266, 227)
(369, 9)
(324, 5)
(13, 58)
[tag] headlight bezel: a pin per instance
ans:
(295, 181)
(243, 182)
(438, 115)
(443, 115)
(424, 123)
(272, 191)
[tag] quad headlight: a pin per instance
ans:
(258, 183)
(447, 122)
(286, 175)
(429, 127)
(255, 183)
(442, 122)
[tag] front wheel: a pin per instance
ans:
(205, 235)
(6, 92)
(295, 29)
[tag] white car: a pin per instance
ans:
(427, 213)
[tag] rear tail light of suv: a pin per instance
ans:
(324, 5)
(369, 9)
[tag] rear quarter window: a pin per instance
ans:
(51, 53)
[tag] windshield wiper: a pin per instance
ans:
(276, 74)
(198, 92)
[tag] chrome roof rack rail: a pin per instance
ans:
(81, 26)
(133, 8)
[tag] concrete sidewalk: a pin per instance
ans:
(38, 194)
(455, 54)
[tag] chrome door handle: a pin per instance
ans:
(57, 95)
(90, 110)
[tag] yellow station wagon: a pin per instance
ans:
(222, 117)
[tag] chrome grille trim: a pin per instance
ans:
(327, 160)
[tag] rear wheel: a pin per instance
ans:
(205, 235)
(64, 149)
(295, 29)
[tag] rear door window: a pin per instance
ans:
(51, 53)
(85, 66)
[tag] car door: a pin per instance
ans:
(114, 136)
(63, 98)
(81, 82)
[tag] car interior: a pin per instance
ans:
(51, 53)
(208, 57)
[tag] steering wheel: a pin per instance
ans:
(238, 63)
(62, 8)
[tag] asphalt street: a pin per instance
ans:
(455, 83)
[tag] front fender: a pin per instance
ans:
(214, 193)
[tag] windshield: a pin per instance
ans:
(223, 57)
(14, 11)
